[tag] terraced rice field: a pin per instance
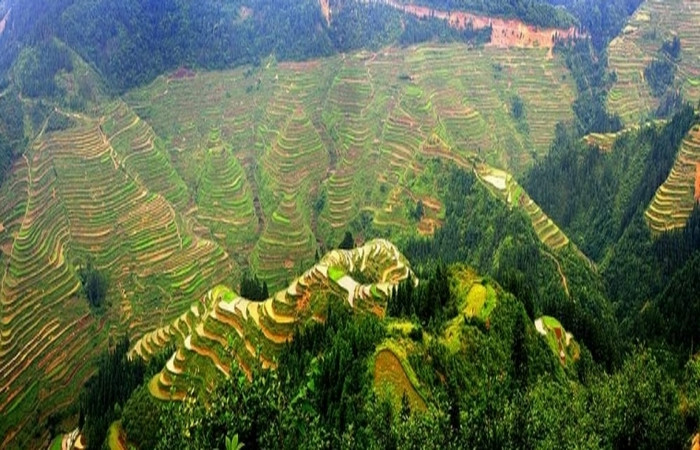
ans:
(504, 185)
(172, 188)
(654, 22)
(285, 246)
(677, 196)
(391, 380)
(225, 330)
(102, 190)
(224, 198)
(357, 125)
(560, 341)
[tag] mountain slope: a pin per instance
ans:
(79, 196)
(229, 330)
(655, 22)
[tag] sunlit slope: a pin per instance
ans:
(104, 191)
(654, 22)
(345, 135)
(226, 330)
(677, 196)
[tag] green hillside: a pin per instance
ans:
(478, 231)
(233, 331)
(198, 174)
(82, 195)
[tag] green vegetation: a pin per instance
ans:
(348, 242)
(253, 289)
(659, 74)
(95, 284)
(560, 311)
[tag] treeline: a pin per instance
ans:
(538, 13)
(661, 71)
(12, 139)
(418, 30)
(593, 81)
(428, 300)
(132, 42)
(36, 68)
(253, 288)
(603, 20)
(108, 390)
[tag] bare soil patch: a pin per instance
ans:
(697, 182)
(182, 73)
(507, 33)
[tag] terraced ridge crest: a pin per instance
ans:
(76, 196)
(653, 22)
(560, 341)
(677, 196)
(224, 198)
(224, 329)
(507, 188)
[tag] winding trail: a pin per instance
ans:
(561, 273)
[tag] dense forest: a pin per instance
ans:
(599, 198)
(132, 42)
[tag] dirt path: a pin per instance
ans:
(561, 273)
(325, 10)
(507, 33)
(3, 22)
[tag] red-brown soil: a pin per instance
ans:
(181, 73)
(697, 182)
(507, 33)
